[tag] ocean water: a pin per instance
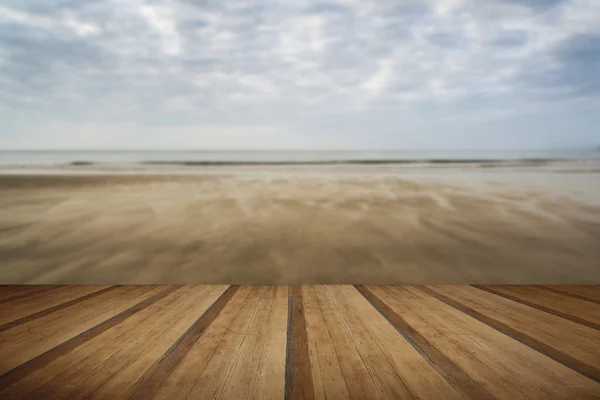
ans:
(57, 157)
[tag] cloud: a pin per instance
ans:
(292, 64)
(380, 80)
(160, 19)
(578, 60)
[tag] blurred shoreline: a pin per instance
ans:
(289, 157)
(343, 166)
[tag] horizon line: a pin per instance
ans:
(591, 147)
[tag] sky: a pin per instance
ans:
(295, 74)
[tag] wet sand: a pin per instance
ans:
(369, 225)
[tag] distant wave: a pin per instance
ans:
(541, 161)
(81, 163)
(483, 163)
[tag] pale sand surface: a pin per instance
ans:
(281, 225)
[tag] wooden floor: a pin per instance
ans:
(321, 342)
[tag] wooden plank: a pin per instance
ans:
(183, 378)
(242, 375)
(270, 375)
(26, 291)
(420, 377)
(592, 296)
(384, 376)
(70, 367)
(20, 370)
(328, 380)
(8, 291)
(356, 375)
(560, 340)
(445, 366)
(214, 376)
(516, 370)
(85, 293)
(154, 378)
(298, 377)
(575, 310)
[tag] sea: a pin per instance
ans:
(59, 157)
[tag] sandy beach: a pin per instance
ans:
(300, 224)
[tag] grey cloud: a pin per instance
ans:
(37, 66)
(537, 4)
(447, 39)
(328, 7)
(571, 71)
(510, 38)
(579, 65)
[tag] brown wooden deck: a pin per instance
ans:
(322, 342)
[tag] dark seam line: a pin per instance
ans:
(298, 374)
